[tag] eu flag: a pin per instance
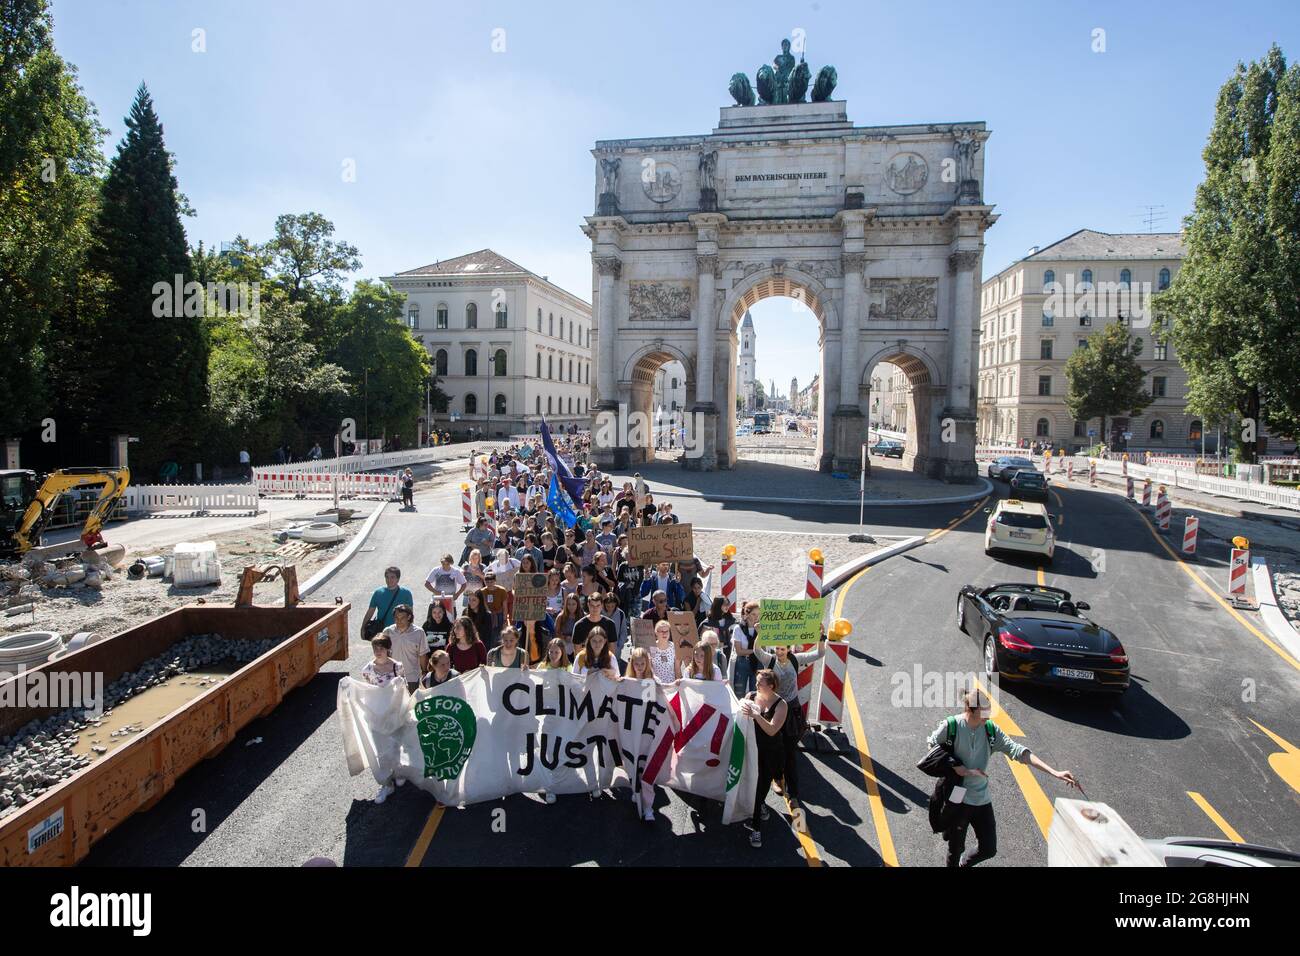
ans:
(558, 500)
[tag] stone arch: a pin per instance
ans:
(927, 387)
(637, 383)
(791, 283)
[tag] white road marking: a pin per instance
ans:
(1161, 650)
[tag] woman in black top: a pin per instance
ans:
(695, 601)
(768, 712)
(437, 626)
(476, 610)
(722, 621)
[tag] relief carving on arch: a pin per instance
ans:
(659, 301)
(904, 299)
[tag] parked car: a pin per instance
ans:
(1202, 851)
(1028, 485)
(887, 449)
(1021, 526)
(1005, 466)
(1034, 634)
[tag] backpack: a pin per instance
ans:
(938, 804)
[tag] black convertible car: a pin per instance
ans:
(1036, 635)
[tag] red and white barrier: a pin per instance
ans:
(1163, 509)
(1189, 535)
(1123, 467)
(306, 484)
(830, 694)
(466, 506)
(1069, 470)
(1092, 473)
(1128, 488)
(1146, 492)
(1237, 572)
(728, 585)
(812, 591)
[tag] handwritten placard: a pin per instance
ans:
(790, 622)
(643, 633)
(530, 597)
(660, 542)
(685, 635)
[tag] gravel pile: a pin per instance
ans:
(1286, 584)
(40, 755)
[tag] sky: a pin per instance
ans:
(471, 125)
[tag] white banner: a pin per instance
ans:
(497, 731)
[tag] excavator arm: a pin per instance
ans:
(115, 481)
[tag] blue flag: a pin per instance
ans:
(570, 482)
(557, 499)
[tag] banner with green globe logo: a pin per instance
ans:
(447, 727)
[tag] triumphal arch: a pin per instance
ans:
(878, 230)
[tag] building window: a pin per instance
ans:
(499, 406)
(1158, 383)
(1164, 278)
(502, 317)
(1048, 319)
(539, 364)
(570, 370)
(548, 404)
(539, 328)
(1083, 343)
(1080, 429)
(442, 317)
(1161, 351)
(1042, 429)
(1044, 385)
(471, 362)
(1194, 430)
(471, 316)
(1125, 278)
(440, 362)
(539, 398)
(499, 362)
(1045, 349)
(550, 326)
(413, 316)
(471, 404)
(550, 366)
(561, 326)
(1086, 278)
(1157, 429)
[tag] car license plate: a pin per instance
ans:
(1072, 672)
(1022, 535)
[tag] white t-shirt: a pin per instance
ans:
(505, 572)
(445, 581)
(717, 674)
(243, 458)
(407, 647)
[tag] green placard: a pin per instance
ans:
(790, 622)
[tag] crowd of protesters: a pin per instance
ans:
(593, 592)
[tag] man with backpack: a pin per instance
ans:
(972, 739)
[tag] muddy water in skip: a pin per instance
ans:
(134, 716)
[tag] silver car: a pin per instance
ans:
(1000, 467)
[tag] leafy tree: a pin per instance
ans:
(1105, 378)
(386, 366)
(49, 159)
(147, 353)
(1235, 303)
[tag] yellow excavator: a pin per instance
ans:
(25, 508)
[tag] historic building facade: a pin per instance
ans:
(746, 372)
(877, 230)
(508, 346)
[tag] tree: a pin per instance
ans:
(147, 354)
(1235, 303)
(1105, 378)
(760, 397)
(387, 368)
(49, 159)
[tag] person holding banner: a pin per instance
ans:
(440, 670)
(663, 656)
(743, 637)
(619, 619)
(596, 655)
(769, 711)
(556, 657)
(508, 653)
(702, 665)
(568, 619)
(785, 667)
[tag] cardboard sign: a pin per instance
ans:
(790, 622)
(660, 542)
(530, 597)
(685, 637)
(643, 633)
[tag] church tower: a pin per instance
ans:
(746, 376)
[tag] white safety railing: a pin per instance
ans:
(153, 499)
(1189, 480)
(349, 464)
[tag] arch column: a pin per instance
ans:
(705, 421)
(848, 425)
(610, 270)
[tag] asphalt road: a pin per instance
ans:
(280, 793)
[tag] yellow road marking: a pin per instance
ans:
(1281, 652)
(878, 817)
(1042, 579)
(936, 535)
(426, 836)
(1287, 763)
(1214, 816)
(801, 834)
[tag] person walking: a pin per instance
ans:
(974, 738)
(785, 666)
(769, 712)
(384, 601)
(408, 645)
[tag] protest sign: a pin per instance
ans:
(643, 633)
(497, 731)
(685, 636)
(530, 597)
(790, 622)
(660, 542)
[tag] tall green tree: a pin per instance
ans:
(386, 366)
(1105, 379)
(1235, 303)
(310, 265)
(148, 353)
(49, 160)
